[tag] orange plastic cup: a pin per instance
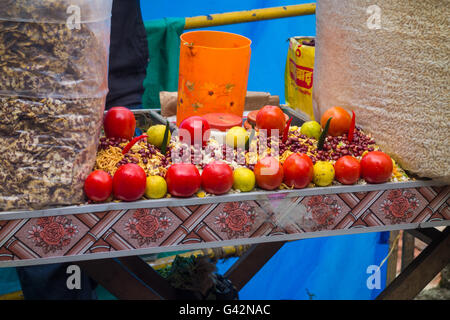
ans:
(213, 73)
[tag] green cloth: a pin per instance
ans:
(163, 37)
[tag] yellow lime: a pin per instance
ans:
(311, 129)
(156, 187)
(323, 173)
(156, 135)
(236, 137)
(244, 179)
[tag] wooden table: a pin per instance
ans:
(106, 240)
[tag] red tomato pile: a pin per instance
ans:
(98, 186)
(298, 170)
(271, 118)
(376, 167)
(184, 180)
(268, 173)
(119, 122)
(347, 170)
(129, 182)
(340, 122)
(217, 178)
(196, 129)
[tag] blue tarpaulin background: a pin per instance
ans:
(327, 268)
(320, 268)
(269, 38)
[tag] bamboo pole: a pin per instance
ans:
(219, 19)
(18, 295)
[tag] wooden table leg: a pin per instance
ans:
(250, 262)
(407, 250)
(126, 278)
(391, 272)
(420, 271)
(149, 276)
(426, 235)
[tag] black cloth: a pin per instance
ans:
(128, 56)
(49, 282)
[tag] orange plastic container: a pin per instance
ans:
(213, 73)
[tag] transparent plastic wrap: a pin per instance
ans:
(53, 85)
(389, 61)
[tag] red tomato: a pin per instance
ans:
(98, 185)
(217, 178)
(198, 129)
(129, 182)
(119, 122)
(376, 167)
(347, 170)
(268, 173)
(339, 124)
(183, 179)
(270, 118)
(298, 170)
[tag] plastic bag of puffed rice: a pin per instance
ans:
(389, 62)
(53, 86)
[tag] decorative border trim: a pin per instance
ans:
(280, 217)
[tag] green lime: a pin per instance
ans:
(156, 187)
(156, 135)
(244, 179)
(323, 173)
(311, 129)
(236, 137)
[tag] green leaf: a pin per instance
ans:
(166, 136)
(323, 135)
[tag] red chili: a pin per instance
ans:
(132, 143)
(351, 130)
(286, 130)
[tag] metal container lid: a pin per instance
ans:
(223, 121)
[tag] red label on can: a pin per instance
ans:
(302, 76)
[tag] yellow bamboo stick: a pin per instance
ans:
(167, 261)
(18, 295)
(220, 19)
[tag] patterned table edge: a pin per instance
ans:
(247, 196)
(150, 230)
(206, 245)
